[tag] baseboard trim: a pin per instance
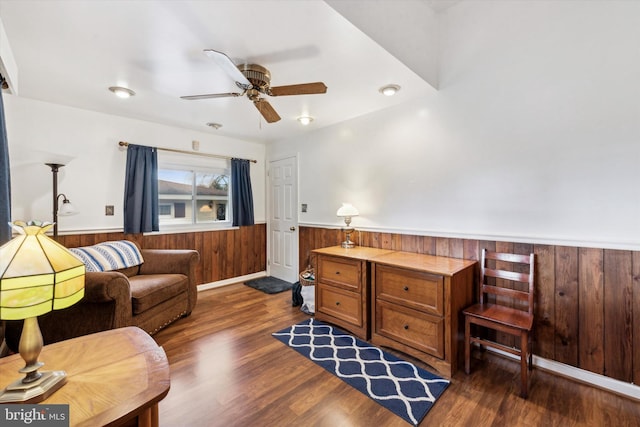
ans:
(622, 388)
(231, 281)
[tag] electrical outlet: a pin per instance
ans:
(108, 210)
(304, 207)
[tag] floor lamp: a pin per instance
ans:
(67, 208)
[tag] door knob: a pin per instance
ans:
(292, 228)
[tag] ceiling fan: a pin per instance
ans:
(255, 80)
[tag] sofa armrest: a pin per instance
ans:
(107, 286)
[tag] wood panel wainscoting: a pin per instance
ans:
(587, 302)
(224, 254)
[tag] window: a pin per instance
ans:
(165, 209)
(188, 197)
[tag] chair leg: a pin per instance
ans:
(467, 345)
(530, 352)
(524, 368)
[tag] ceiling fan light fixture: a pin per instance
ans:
(305, 120)
(255, 81)
(122, 92)
(216, 126)
(389, 90)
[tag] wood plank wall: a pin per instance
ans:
(587, 300)
(224, 254)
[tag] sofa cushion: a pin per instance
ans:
(149, 290)
(109, 256)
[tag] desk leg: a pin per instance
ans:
(149, 417)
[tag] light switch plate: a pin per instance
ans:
(108, 210)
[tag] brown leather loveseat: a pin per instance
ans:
(150, 295)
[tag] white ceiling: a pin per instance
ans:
(70, 52)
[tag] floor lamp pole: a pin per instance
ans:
(54, 169)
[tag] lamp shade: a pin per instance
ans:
(37, 274)
(67, 209)
(347, 209)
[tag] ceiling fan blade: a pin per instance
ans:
(301, 89)
(266, 110)
(229, 67)
(211, 95)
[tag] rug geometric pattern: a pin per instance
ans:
(405, 389)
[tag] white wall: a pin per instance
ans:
(87, 143)
(414, 42)
(533, 136)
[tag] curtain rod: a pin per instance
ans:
(126, 144)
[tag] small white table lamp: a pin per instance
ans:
(347, 210)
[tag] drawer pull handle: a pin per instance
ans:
(406, 327)
(337, 272)
(406, 288)
(337, 302)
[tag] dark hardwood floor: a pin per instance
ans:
(227, 370)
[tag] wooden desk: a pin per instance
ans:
(114, 378)
(406, 301)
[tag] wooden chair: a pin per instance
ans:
(505, 305)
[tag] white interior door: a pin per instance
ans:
(283, 219)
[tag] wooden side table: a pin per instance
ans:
(114, 378)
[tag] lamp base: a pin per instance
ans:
(37, 391)
(348, 244)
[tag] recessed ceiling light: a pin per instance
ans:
(305, 120)
(122, 92)
(216, 126)
(389, 90)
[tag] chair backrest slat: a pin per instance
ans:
(508, 273)
(501, 256)
(506, 292)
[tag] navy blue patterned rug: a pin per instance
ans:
(405, 389)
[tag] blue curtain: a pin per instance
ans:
(141, 190)
(241, 194)
(5, 178)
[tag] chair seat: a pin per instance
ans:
(507, 316)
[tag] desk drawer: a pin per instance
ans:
(341, 272)
(339, 303)
(419, 290)
(413, 328)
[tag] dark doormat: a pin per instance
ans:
(269, 285)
